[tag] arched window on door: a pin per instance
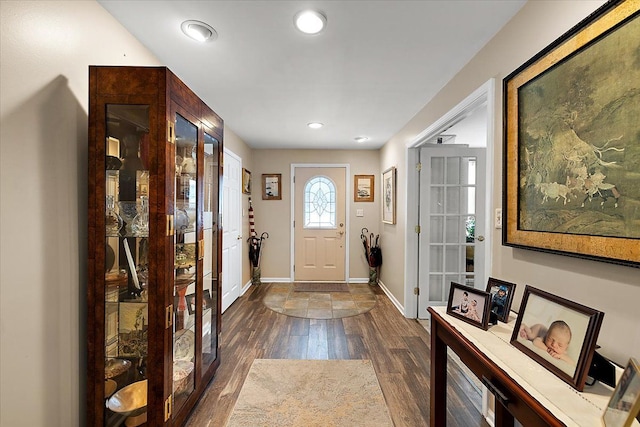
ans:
(320, 203)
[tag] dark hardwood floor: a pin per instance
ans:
(398, 348)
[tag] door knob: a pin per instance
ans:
(480, 238)
(239, 237)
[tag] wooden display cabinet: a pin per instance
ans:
(155, 168)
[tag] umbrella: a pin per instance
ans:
(255, 246)
(375, 254)
(365, 242)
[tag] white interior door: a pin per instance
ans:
(232, 229)
(452, 218)
(320, 224)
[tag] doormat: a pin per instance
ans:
(320, 287)
(314, 393)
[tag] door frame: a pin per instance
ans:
(484, 94)
(348, 184)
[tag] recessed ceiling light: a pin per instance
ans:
(310, 21)
(315, 125)
(199, 31)
(361, 138)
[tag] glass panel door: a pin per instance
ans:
(126, 262)
(210, 224)
(450, 248)
(185, 260)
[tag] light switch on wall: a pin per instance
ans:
(359, 212)
(498, 218)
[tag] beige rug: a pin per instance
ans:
(322, 393)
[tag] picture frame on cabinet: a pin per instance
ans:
(558, 333)
(271, 186)
(569, 130)
(363, 188)
(469, 304)
(191, 303)
(624, 405)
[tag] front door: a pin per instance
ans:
(232, 231)
(319, 225)
(452, 212)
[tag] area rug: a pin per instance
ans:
(322, 393)
(320, 287)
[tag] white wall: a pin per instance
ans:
(610, 288)
(46, 49)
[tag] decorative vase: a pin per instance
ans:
(113, 222)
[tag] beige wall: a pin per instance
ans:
(274, 216)
(610, 288)
(46, 50)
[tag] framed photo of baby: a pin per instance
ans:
(469, 304)
(557, 333)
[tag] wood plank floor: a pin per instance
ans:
(398, 348)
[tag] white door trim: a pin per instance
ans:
(347, 193)
(485, 93)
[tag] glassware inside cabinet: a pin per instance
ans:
(185, 261)
(126, 263)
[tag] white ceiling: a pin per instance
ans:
(373, 68)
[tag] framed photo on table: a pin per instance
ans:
(272, 186)
(469, 304)
(570, 128)
(624, 405)
(389, 196)
(557, 333)
(363, 188)
(501, 297)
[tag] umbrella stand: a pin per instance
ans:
(372, 254)
(255, 247)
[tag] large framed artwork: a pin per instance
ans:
(557, 333)
(572, 145)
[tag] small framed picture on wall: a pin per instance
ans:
(363, 188)
(272, 186)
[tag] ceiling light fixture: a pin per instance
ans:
(310, 21)
(361, 138)
(315, 125)
(199, 31)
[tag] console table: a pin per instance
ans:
(523, 389)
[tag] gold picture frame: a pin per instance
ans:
(271, 186)
(246, 181)
(624, 405)
(389, 196)
(363, 188)
(570, 142)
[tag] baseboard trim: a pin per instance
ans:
(393, 299)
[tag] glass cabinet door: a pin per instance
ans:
(185, 261)
(126, 263)
(210, 283)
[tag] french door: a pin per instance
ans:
(452, 217)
